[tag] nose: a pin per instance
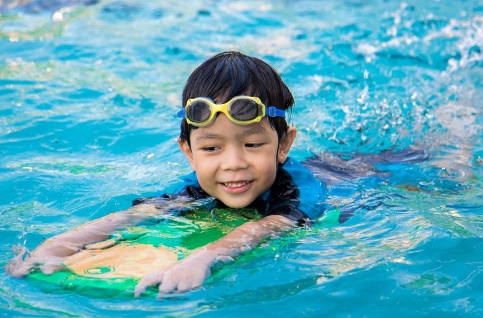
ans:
(233, 159)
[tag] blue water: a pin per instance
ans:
(88, 97)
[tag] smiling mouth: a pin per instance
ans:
(234, 185)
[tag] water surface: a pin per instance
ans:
(89, 92)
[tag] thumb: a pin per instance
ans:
(48, 269)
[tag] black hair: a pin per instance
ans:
(230, 74)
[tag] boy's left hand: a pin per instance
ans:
(183, 276)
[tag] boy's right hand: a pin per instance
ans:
(49, 256)
(24, 263)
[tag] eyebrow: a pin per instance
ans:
(257, 130)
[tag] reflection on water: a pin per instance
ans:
(389, 91)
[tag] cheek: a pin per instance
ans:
(269, 171)
(206, 170)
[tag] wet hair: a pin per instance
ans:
(231, 74)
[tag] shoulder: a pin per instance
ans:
(312, 191)
(303, 177)
(188, 180)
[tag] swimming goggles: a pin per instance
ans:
(241, 110)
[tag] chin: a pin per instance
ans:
(237, 205)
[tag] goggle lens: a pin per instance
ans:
(243, 109)
(198, 111)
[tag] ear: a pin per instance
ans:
(285, 144)
(186, 149)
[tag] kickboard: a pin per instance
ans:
(113, 267)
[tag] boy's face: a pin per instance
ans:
(236, 163)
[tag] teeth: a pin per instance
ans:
(235, 184)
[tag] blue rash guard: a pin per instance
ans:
(296, 194)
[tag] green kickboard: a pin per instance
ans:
(178, 235)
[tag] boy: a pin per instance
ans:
(236, 139)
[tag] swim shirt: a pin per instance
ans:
(296, 194)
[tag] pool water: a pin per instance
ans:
(89, 92)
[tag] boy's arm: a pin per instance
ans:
(50, 254)
(190, 272)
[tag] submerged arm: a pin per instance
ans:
(190, 272)
(50, 254)
(248, 235)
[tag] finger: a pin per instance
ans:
(168, 285)
(198, 281)
(188, 285)
(19, 250)
(21, 265)
(18, 269)
(194, 280)
(151, 279)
